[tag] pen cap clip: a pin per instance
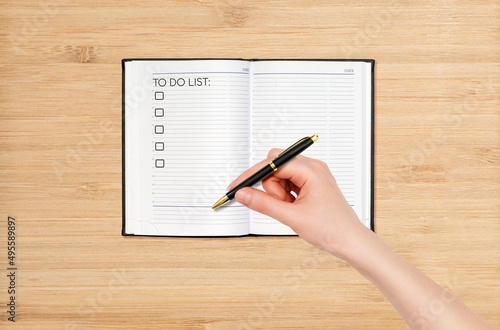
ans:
(290, 147)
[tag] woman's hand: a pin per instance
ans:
(319, 214)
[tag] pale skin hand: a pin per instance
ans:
(321, 215)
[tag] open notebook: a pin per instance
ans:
(190, 127)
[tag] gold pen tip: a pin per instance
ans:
(314, 137)
(223, 200)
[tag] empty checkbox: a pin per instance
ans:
(159, 112)
(159, 146)
(159, 95)
(159, 129)
(159, 163)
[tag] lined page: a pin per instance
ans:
(293, 99)
(194, 141)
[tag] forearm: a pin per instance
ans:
(421, 302)
(321, 215)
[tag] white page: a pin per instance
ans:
(293, 99)
(189, 143)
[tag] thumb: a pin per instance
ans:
(264, 203)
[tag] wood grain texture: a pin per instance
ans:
(437, 155)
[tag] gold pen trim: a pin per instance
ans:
(313, 137)
(223, 200)
(281, 153)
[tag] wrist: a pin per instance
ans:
(353, 244)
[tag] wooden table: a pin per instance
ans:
(437, 163)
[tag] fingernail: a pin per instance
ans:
(231, 186)
(243, 197)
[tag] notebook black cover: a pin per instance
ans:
(372, 170)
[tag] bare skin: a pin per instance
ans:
(321, 215)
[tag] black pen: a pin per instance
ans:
(278, 161)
